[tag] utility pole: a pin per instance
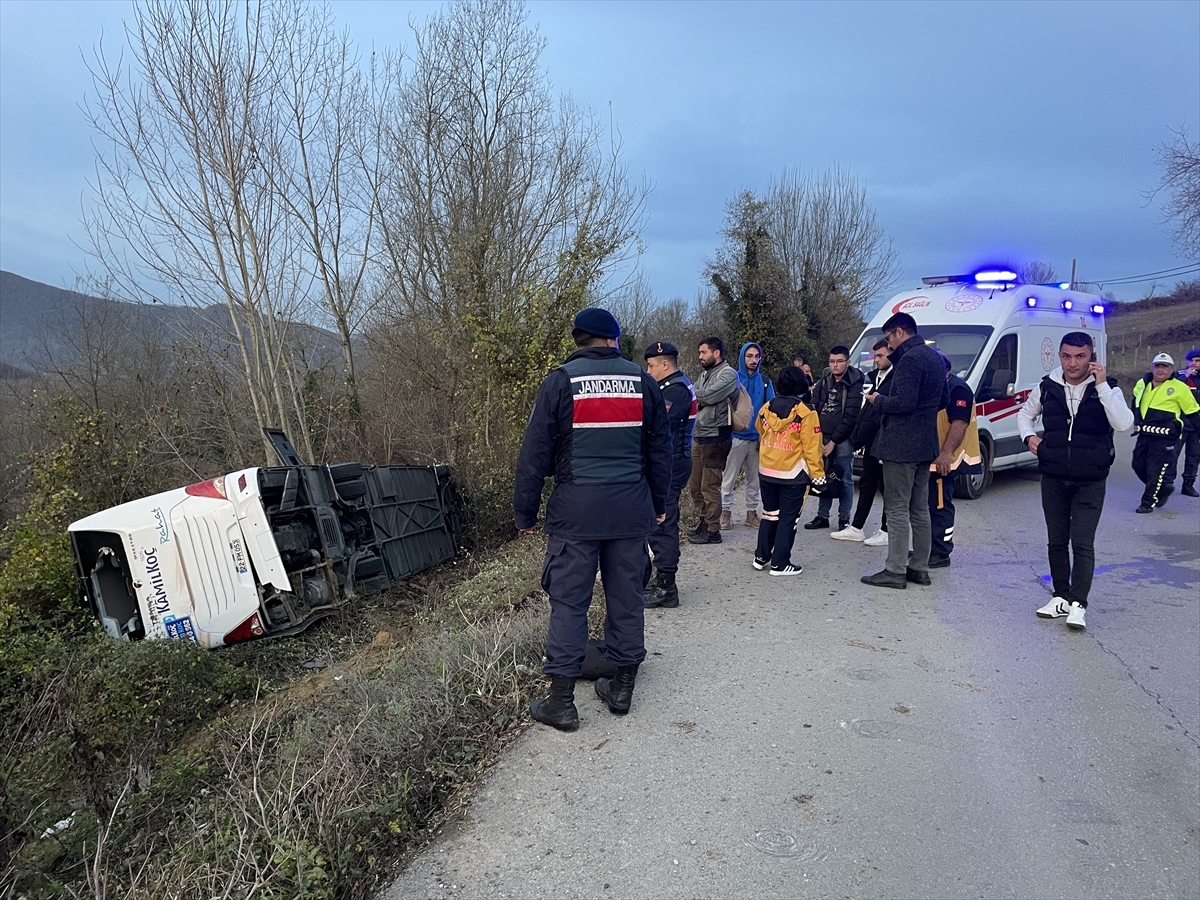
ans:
(1072, 274)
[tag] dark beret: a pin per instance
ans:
(661, 348)
(599, 322)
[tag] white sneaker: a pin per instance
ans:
(1074, 617)
(849, 533)
(878, 539)
(789, 569)
(1055, 608)
(760, 564)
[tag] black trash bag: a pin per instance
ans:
(596, 663)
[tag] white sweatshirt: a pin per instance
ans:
(1120, 416)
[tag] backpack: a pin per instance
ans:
(741, 412)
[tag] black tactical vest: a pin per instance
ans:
(606, 424)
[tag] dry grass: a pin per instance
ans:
(317, 789)
(1136, 335)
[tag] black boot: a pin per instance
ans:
(558, 710)
(663, 592)
(617, 692)
(1189, 489)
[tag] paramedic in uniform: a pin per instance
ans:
(958, 437)
(600, 428)
(1080, 408)
(662, 363)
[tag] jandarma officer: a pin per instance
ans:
(662, 362)
(599, 426)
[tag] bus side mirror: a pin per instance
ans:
(1010, 390)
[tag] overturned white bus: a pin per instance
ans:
(261, 552)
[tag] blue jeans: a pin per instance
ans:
(842, 460)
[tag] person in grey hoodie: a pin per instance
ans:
(743, 453)
(711, 440)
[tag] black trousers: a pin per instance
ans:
(1189, 446)
(1072, 510)
(664, 539)
(870, 482)
(781, 502)
(941, 515)
(568, 576)
(1152, 458)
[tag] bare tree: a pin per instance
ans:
(1037, 272)
(502, 209)
(326, 166)
(221, 181)
(632, 304)
(1179, 158)
(836, 253)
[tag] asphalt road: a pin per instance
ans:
(813, 737)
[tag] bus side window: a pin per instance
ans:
(1000, 371)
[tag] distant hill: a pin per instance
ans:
(1137, 331)
(36, 318)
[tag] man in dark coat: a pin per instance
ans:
(662, 363)
(600, 428)
(907, 444)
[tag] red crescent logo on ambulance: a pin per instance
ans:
(910, 303)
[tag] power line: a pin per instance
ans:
(1148, 276)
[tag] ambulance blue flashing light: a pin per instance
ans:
(1067, 304)
(1031, 302)
(995, 276)
(1064, 285)
(1098, 309)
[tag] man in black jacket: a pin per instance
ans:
(837, 398)
(600, 428)
(1080, 408)
(662, 363)
(907, 445)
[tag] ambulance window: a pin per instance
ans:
(1000, 372)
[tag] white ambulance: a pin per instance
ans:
(1002, 337)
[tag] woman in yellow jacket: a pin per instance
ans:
(789, 461)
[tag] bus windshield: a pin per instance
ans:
(962, 343)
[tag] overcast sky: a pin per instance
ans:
(983, 132)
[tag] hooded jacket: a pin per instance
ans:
(758, 386)
(790, 441)
(714, 388)
(1078, 422)
(838, 403)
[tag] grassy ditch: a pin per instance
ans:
(303, 767)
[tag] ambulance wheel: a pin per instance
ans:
(971, 487)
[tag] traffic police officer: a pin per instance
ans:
(958, 438)
(662, 362)
(600, 427)
(1160, 403)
